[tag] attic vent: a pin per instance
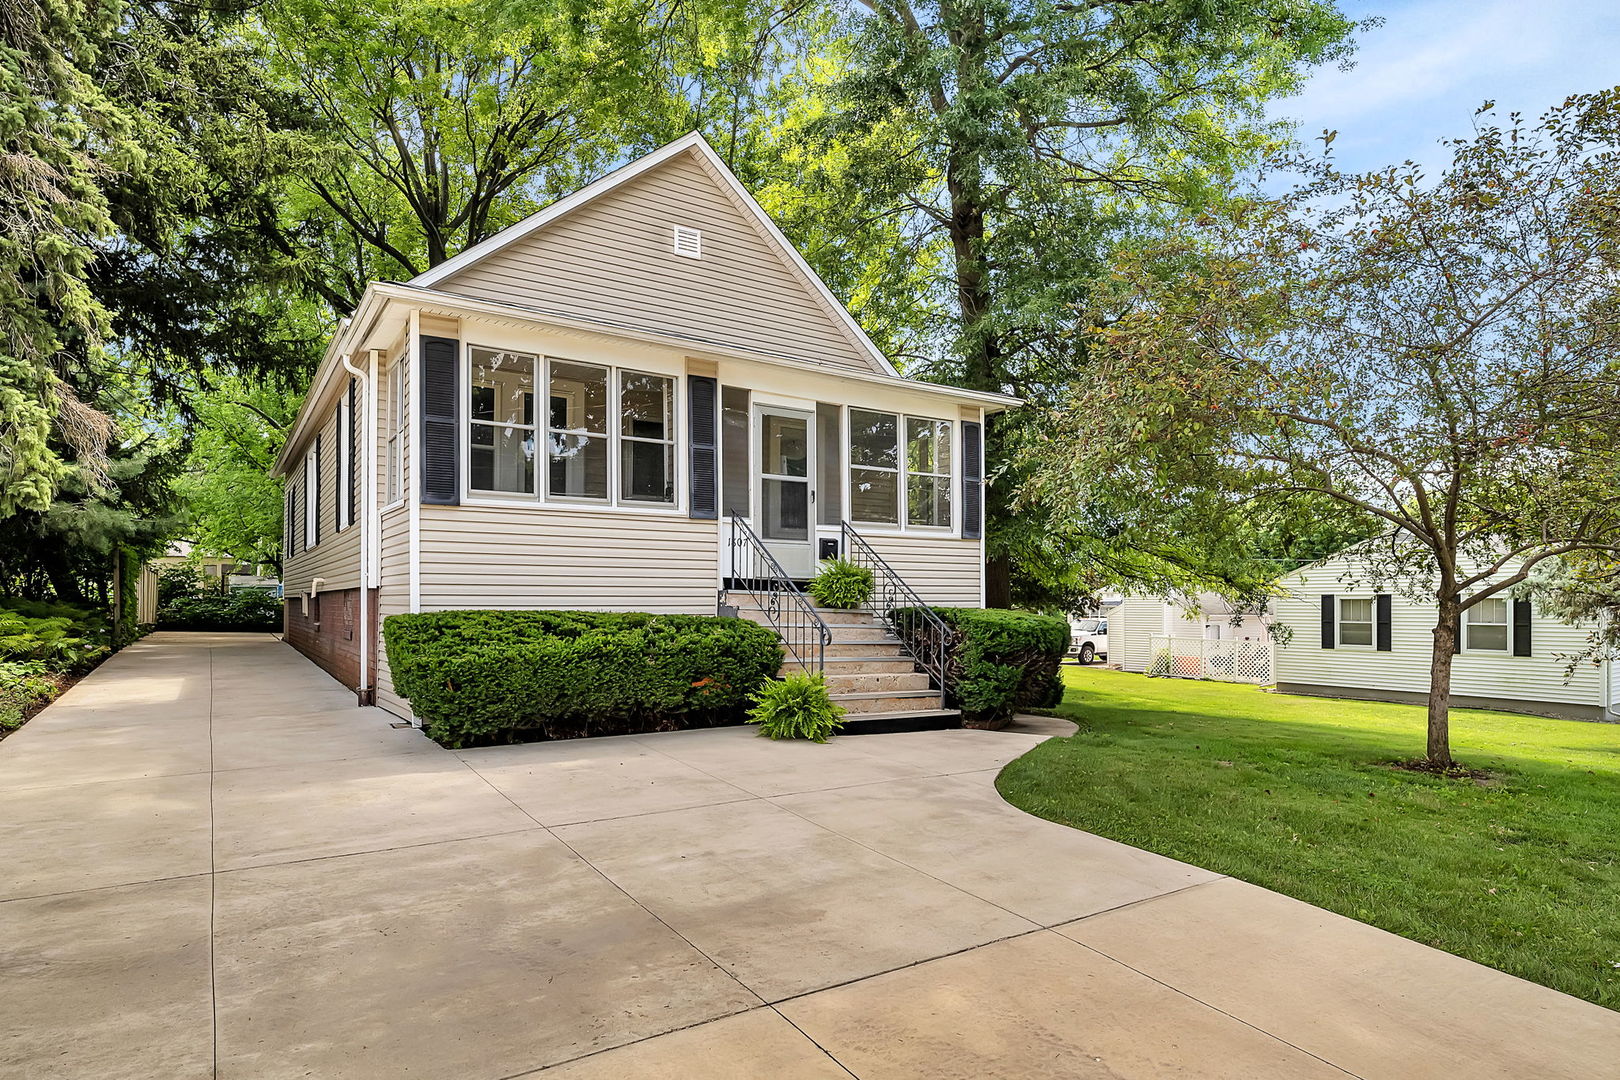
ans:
(688, 242)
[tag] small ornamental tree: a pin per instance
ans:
(1442, 354)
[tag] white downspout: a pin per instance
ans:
(365, 531)
(413, 350)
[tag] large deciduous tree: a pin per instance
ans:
(1012, 138)
(1440, 354)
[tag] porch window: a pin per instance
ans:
(1356, 621)
(577, 431)
(1487, 625)
(736, 478)
(928, 472)
(829, 464)
(874, 466)
(396, 430)
(880, 475)
(500, 437)
(646, 438)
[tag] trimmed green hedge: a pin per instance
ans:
(480, 677)
(998, 662)
(249, 609)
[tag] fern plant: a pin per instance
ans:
(796, 707)
(841, 584)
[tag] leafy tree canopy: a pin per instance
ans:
(1439, 355)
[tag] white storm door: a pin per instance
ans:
(786, 497)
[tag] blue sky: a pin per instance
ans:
(1419, 77)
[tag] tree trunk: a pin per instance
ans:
(998, 582)
(1445, 648)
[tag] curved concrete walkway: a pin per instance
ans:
(215, 866)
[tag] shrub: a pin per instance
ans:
(477, 677)
(997, 662)
(249, 609)
(796, 707)
(841, 584)
(62, 637)
(24, 687)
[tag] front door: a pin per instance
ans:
(786, 500)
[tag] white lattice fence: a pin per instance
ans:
(1225, 659)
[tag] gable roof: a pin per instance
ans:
(606, 252)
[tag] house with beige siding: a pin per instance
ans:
(639, 399)
(1349, 636)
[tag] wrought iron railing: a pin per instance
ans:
(756, 574)
(924, 634)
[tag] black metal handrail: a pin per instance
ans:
(755, 571)
(924, 634)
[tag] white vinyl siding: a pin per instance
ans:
(336, 559)
(612, 260)
(343, 498)
(1494, 675)
(942, 570)
(533, 557)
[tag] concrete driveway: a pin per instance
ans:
(215, 866)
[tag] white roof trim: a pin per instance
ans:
(414, 295)
(697, 144)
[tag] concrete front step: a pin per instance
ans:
(891, 649)
(865, 683)
(877, 701)
(749, 608)
(885, 723)
(857, 665)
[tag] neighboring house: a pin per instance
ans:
(1139, 619)
(1352, 640)
(233, 573)
(568, 414)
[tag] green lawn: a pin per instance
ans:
(1521, 872)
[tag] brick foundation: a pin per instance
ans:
(329, 634)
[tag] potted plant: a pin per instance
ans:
(841, 584)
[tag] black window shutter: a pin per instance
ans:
(317, 495)
(1457, 633)
(441, 421)
(702, 392)
(290, 507)
(349, 496)
(1330, 636)
(1521, 628)
(1386, 634)
(972, 479)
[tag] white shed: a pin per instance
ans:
(1139, 619)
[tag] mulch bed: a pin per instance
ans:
(1454, 771)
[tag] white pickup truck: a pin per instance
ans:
(1088, 639)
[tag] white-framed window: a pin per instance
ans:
(345, 463)
(501, 422)
(928, 472)
(646, 438)
(396, 431)
(891, 482)
(1486, 626)
(1356, 621)
(312, 497)
(578, 435)
(874, 467)
(608, 434)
